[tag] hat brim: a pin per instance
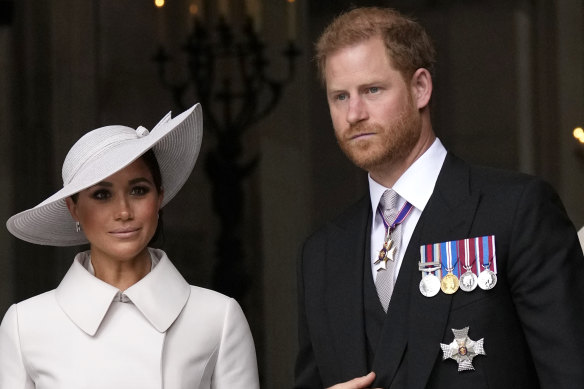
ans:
(176, 144)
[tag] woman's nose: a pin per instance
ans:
(124, 210)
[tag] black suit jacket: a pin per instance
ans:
(532, 321)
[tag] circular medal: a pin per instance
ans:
(449, 283)
(468, 281)
(487, 279)
(429, 285)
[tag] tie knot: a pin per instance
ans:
(388, 200)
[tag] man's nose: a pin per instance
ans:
(357, 110)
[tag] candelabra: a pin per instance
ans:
(228, 76)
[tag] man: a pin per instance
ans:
(379, 286)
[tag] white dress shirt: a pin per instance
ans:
(159, 333)
(415, 186)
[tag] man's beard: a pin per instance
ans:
(396, 143)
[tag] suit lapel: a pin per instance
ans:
(416, 321)
(448, 216)
(344, 290)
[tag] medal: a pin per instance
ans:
(449, 283)
(389, 250)
(463, 264)
(462, 349)
(387, 253)
(430, 283)
(487, 278)
(468, 281)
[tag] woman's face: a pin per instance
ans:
(119, 215)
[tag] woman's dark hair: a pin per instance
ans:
(152, 163)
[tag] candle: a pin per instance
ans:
(292, 20)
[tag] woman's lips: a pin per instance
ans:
(125, 233)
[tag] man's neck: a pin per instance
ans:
(388, 174)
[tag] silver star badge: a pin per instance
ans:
(463, 349)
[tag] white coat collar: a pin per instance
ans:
(160, 296)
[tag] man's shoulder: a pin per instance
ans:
(488, 178)
(349, 218)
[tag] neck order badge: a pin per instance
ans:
(389, 249)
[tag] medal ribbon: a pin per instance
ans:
(485, 253)
(478, 254)
(486, 263)
(465, 246)
(401, 216)
(473, 251)
(460, 255)
(437, 257)
(426, 256)
(493, 261)
(447, 249)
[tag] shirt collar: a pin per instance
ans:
(160, 296)
(417, 183)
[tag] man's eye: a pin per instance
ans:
(373, 89)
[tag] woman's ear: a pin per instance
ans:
(160, 198)
(422, 87)
(72, 207)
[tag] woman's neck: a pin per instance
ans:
(121, 273)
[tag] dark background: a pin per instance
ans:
(508, 91)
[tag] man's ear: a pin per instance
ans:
(421, 87)
(72, 207)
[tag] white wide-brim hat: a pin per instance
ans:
(176, 143)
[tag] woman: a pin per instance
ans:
(123, 316)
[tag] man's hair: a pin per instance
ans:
(408, 45)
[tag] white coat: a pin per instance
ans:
(159, 333)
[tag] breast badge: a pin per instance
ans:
(463, 349)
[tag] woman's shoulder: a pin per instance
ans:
(209, 297)
(39, 302)
(213, 304)
(32, 309)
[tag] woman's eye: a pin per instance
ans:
(342, 97)
(140, 190)
(101, 194)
